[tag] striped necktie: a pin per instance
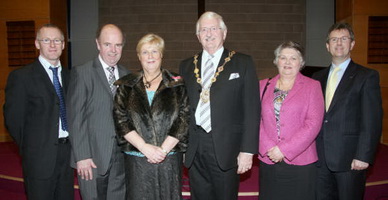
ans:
(204, 108)
(112, 79)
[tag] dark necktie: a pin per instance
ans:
(59, 91)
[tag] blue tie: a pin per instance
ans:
(59, 91)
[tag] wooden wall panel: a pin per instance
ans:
(23, 10)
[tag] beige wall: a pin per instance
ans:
(356, 12)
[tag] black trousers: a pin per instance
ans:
(207, 180)
(283, 181)
(58, 187)
(347, 185)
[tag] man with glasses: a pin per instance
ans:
(352, 123)
(95, 153)
(225, 109)
(35, 116)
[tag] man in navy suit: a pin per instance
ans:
(352, 124)
(225, 109)
(33, 118)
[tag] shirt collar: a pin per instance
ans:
(342, 66)
(217, 54)
(46, 64)
(104, 65)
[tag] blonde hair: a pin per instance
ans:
(151, 39)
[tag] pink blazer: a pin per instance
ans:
(301, 118)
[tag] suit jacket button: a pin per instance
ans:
(326, 121)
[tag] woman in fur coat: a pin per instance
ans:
(151, 116)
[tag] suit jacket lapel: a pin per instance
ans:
(298, 85)
(193, 79)
(65, 79)
(101, 74)
(122, 71)
(222, 75)
(344, 83)
(42, 76)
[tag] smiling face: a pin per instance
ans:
(211, 35)
(339, 48)
(289, 62)
(150, 57)
(50, 51)
(110, 44)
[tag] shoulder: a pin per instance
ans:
(264, 81)
(129, 79)
(242, 55)
(321, 74)
(188, 60)
(308, 83)
(363, 69)
(84, 69)
(88, 64)
(187, 65)
(26, 70)
(172, 79)
(307, 80)
(240, 60)
(123, 68)
(65, 70)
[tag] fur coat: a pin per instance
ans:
(166, 116)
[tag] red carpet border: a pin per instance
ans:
(11, 182)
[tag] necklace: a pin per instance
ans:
(147, 83)
(205, 93)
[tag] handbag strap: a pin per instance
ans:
(265, 88)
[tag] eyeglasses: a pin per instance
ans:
(48, 41)
(343, 39)
(211, 29)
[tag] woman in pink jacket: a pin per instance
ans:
(291, 117)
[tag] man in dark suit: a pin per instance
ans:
(352, 123)
(95, 153)
(36, 119)
(225, 110)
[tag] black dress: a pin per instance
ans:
(146, 181)
(154, 116)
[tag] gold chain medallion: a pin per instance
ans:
(205, 94)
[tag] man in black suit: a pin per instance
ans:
(36, 119)
(352, 123)
(225, 110)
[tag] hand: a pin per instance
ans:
(275, 154)
(84, 169)
(244, 162)
(359, 165)
(153, 153)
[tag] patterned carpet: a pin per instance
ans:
(11, 182)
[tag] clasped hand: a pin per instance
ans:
(154, 154)
(275, 154)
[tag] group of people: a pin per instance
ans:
(127, 134)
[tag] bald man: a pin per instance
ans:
(95, 153)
